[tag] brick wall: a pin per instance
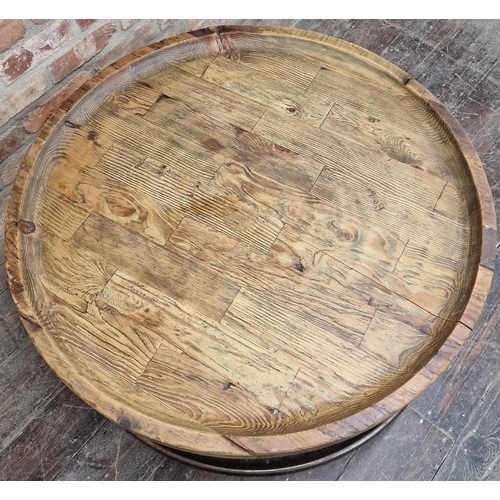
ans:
(42, 61)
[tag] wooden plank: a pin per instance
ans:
(208, 98)
(117, 353)
(73, 275)
(193, 390)
(381, 189)
(376, 117)
(477, 449)
(380, 339)
(137, 98)
(298, 332)
(272, 92)
(268, 54)
(409, 449)
(370, 250)
(329, 273)
(265, 157)
(60, 217)
(27, 386)
(172, 470)
(240, 361)
(179, 191)
(50, 440)
(421, 264)
(12, 333)
(419, 148)
(84, 145)
(143, 139)
(115, 200)
(255, 271)
(112, 454)
(168, 272)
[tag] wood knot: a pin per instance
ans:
(71, 124)
(26, 226)
(299, 267)
(291, 110)
(344, 235)
(111, 310)
(125, 423)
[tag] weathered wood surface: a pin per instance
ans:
(450, 416)
(205, 321)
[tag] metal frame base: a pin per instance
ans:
(272, 465)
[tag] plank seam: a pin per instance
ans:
(314, 184)
(235, 441)
(254, 127)
(171, 234)
(211, 62)
(400, 255)
(384, 286)
(286, 392)
(276, 239)
(81, 448)
(80, 226)
(314, 78)
(368, 327)
(439, 197)
(230, 304)
(147, 364)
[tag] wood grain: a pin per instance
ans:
(250, 241)
(39, 448)
(113, 454)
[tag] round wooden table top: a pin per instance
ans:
(250, 241)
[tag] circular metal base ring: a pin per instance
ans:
(273, 465)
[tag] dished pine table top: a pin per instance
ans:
(250, 241)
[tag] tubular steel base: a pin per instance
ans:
(274, 465)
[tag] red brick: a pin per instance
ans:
(38, 117)
(36, 49)
(50, 39)
(63, 66)
(85, 23)
(9, 142)
(94, 43)
(15, 102)
(139, 38)
(11, 31)
(39, 21)
(80, 54)
(17, 64)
